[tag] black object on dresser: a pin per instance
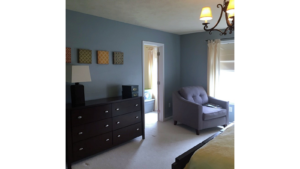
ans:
(129, 91)
(102, 124)
(77, 95)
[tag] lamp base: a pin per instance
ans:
(77, 95)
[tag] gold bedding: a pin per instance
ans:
(216, 154)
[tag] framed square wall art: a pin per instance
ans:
(118, 58)
(68, 55)
(84, 56)
(102, 57)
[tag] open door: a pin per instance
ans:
(160, 82)
(160, 76)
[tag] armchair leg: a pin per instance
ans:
(224, 125)
(175, 122)
(197, 132)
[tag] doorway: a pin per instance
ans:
(153, 81)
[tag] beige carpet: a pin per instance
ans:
(163, 143)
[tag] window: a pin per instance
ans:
(227, 76)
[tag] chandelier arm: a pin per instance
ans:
(227, 19)
(227, 30)
(211, 29)
(222, 33)
(224, 3)
(232, 24)
(231, 29)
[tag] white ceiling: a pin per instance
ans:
(174, 16)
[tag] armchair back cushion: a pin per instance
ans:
(194, 94)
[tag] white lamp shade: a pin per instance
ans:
(206, 14)
(230, 7)
(77, 73)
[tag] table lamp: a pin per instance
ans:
(76, 74)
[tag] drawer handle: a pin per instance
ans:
(134, 89)
(137, 129)
(107, 139)
(117, 109)
(107, 125)
(137, 117)
(119, 135)
(118, 122)
(80, 133)
(106, 111)
(79, 117)
(137, 105)
(80, 149)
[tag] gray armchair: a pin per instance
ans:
(189, 109)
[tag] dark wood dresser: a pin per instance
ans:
(102, 124)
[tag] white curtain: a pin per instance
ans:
(152, 70)
(150, 66)
(213, 67)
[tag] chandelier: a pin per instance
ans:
(228, 9)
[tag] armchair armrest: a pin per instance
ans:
(223, 104)
(185, 111)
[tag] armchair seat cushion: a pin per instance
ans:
(213, 113)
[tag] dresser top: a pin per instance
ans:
(100, 101)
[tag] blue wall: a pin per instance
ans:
(95, 33)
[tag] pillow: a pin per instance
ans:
(147, 94)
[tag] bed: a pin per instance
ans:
(216, 152)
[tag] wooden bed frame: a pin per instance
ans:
(184, 158)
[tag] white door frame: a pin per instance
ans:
(160, 77)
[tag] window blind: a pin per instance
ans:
(227, 55)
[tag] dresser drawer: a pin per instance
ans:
(86, 115)
(91, 146)
(126, 107)
(127, 133)
(91, 129)
(126, 120)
